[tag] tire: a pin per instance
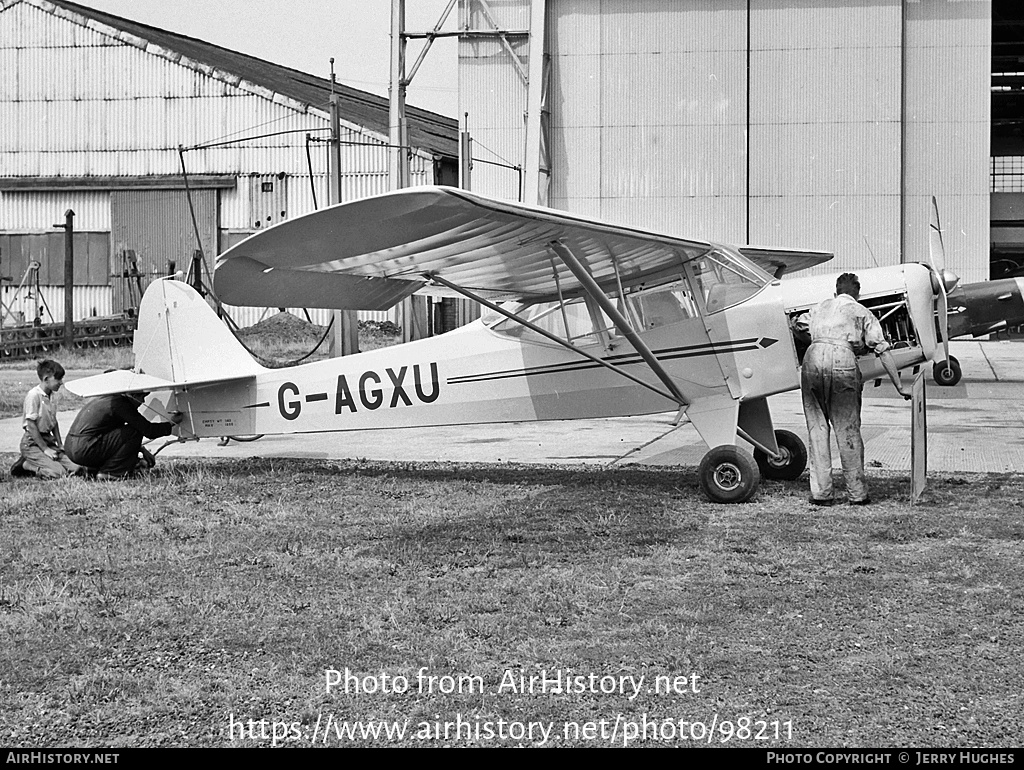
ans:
(793, 462)
(728, 474)
(945, 374)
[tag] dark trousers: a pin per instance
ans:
(116, 452)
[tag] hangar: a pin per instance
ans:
(95, 109)
(824, 125)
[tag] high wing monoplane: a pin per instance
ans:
(583, 319)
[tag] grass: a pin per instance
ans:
(212, 594)
(207, 604)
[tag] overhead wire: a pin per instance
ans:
(221, 310)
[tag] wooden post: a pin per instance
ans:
(69, 277)
(197, 273)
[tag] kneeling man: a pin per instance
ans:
(107, 434)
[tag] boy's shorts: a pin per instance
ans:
(40, 464)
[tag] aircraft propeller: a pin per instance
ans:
(945, 281)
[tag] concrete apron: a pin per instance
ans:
(977, 425)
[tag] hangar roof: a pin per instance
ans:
(428, 131)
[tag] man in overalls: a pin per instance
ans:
(839, 329)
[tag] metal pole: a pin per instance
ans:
(621, 323)
(335, 183)
(344, 336)
(534, 104)
(553, 337)
(465, 156)
(69, 277)
(398, 169)
(414, 319)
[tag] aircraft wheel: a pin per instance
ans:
(793, 458)
(728, 474)
(947, 374)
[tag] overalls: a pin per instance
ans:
(830, 384)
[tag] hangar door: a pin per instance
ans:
(156, 225)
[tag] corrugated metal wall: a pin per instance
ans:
(492, 94)
(48, 302)
(855, 113)
(91, 257)
(648, 113)
(75, 102)
(947, 60)
(97, 106)
(248, 316)
(28, 233)
(825, 145)
(157, 226)
(40, 210)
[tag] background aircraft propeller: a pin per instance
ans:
(945, 281)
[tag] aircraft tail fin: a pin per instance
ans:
(180, 338)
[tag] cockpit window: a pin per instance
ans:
(663, 305)
(726, 279)
(550, 317)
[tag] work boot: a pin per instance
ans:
(19, 471)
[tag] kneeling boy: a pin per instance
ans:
(42, 450)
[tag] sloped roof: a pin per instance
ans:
(428, 131)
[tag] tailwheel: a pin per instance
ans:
(947, 373)
(791, 461)
(729, 474)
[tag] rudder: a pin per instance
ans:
(181, 339)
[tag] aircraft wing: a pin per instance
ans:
(779, 262)
(369, 254)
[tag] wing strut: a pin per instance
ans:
(553, 337)
(623, 325)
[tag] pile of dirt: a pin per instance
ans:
(282, 327)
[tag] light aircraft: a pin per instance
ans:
(977, 309)
(583, 319)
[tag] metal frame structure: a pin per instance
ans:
(535, 76)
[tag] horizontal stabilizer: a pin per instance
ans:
(246, 281)
(128, 381)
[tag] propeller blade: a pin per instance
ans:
(937, 259)
(936, 250)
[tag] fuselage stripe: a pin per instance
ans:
(625, 359)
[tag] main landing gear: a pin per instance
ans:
(791, 461)
(730, 474)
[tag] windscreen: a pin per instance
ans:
(725, 278)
